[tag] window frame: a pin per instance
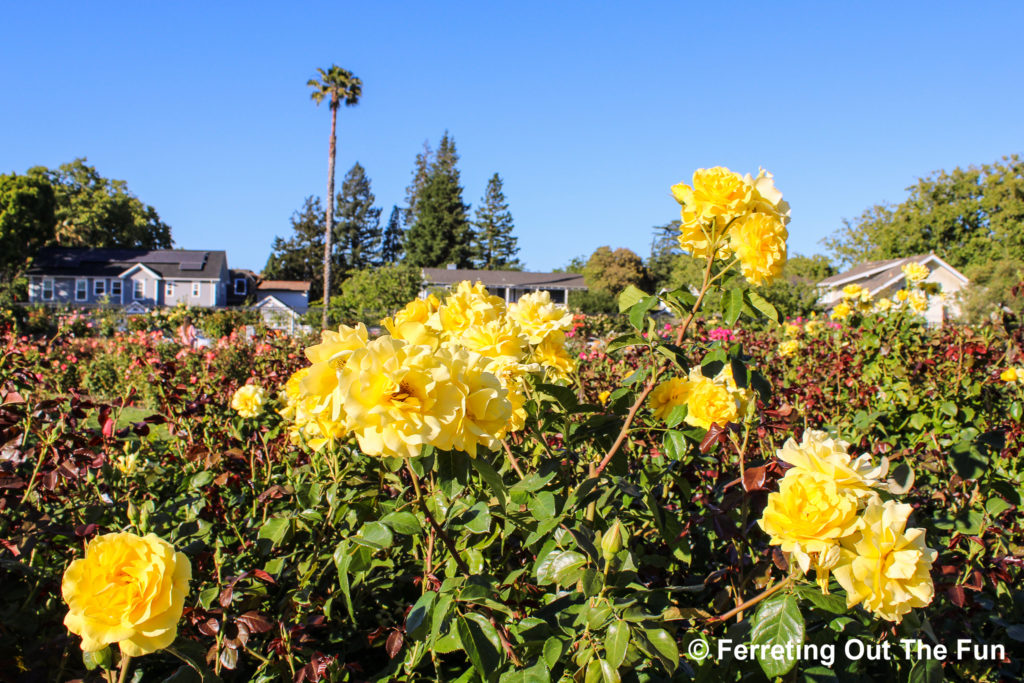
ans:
(197, 289)
(120, 289)
(80, 289)
(245, 286)
(99, 287)
(43, 289)
(138, 285)
(169, 288)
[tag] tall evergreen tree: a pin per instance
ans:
(440, 232)
(357, 231)
(391, 249)
(420, 171)
(299, 256)
(494, 245)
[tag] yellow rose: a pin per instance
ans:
(538, 316)
(717, 196)
(902, 295)
(248, 401)
(467, 306)
(915, 272)
(883, 305)
(501, 338)
(765, 197)
(884, 565)
(710, 401)
(417, 323)
(1009, 375)
(129, 590)
(852, 291)
(603, 397)
(807, 517)
(788, 348)
(759, 241)
(486, 410)
(667, 395)
(552, 356)
(813, 326)
(840, 311)
(791, 329)
(818, 453)
(918, 301)
(327, 358)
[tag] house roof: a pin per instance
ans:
(876, 275)
(504, 278)
(168, 263)
(283, 285)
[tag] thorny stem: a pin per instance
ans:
(461, 563)
(512, 459)
(126, 662)
(771, 590)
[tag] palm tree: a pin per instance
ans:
(339, 85)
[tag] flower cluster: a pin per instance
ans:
(129, 590)
(448, 374)
(248, 401)
(725, 214)
(708, 400)
(828, 516)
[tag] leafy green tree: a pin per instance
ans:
(968, 217)
(991, 288)
(336, 85)
(593, 303)
(93, 211)
(27, 207)
(441, 233)
(391, 249)
(298, 257)
(369, 295)
(611, 271)
(357, 232)
(796, 293)
(494, 245)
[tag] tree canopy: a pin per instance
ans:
(93, 211)
(969, 217)
(611, 271)
(299, 256)
(440, 232)
(27, 221)
(357, 232)
(494, 246)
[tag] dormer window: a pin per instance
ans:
(240, 286)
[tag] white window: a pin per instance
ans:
(99, 287)
(239, 285)
(47, 289)
(115, 289)
(81, 289)
(195, 289)
(140, 289)
(169, 289)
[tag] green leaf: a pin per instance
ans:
(543, 505)
(834, 603)
(777, 622)
(996, 506)
(949, 408)
(553, 649)
(592, 582)
(403, 523)
(419, 616)
(674, 443)
(624, 341)
(102, 659)
(926, 671)
(275, 529)
(665, 648)
(374, 535)
(492, 478)
(477, 518)
(616, 642)
(638, 310)
(480, 641)
(538, 673)
(764, 307)
(561, 566)
(609, 674)
(629, 297)
(676, 414)
(732, 306)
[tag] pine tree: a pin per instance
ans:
(357, 230)
(421, 170)
(440, 232)
(300, 256)
(494, 245)
(391, 246)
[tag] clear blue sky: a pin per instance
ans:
(589, 111)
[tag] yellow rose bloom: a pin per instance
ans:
(248, 401)
(710, 401)
(818, 453)
(1010, 375)
(717, 196)
(667, 395)
(467, 306)
(603, 397)
(902, 295)
(918, 301)
(417, 323)
(538, 316)
(127, 589)
(884, 565)
(813, 326)
(765, 197)
(840, 311)
(327, 359)
(807, 517)
(486, 410)
(915, 273)
(791, 329)
(883, 305)
(501, 338)
(552, 356)
(852, 291)
(398, 397)
(788, 348)
(759, 241)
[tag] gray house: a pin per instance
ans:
(508, 284)
(138, 279)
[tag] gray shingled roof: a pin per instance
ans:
(504, 278)
(889, 268)
(170, 263)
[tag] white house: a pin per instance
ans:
(282, 303)
(885, 278)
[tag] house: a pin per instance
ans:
(138, 279)
(241, 286)
(885, 278)
(509, 284)
(282, 303)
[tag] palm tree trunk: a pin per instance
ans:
(329, 229)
